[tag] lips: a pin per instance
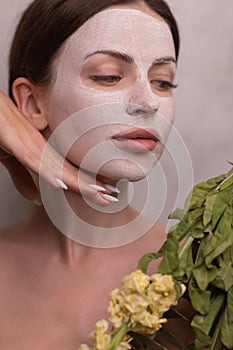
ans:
(137, 139)
(137, 133)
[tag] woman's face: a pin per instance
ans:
(115, 75)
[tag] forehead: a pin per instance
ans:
(127, 30)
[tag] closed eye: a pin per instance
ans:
(106, 79)
(164, 85)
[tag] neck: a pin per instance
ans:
(74, 226)
(88, 223)
(109, 216)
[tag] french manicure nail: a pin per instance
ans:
(97, 188)
(61, 184)
(112, 188)
(110, 198)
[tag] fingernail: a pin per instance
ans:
(110, 198)
(61, 184)
(112, 188)
(98, 188)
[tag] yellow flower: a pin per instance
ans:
(139, 304)
(164, 283)
(146, 322)
(135, 282)
(161, 294)
(183, 288)
(117, 313)
(135, 303)
(84, 347)
(124, 344)
(99, 338)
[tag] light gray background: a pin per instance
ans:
(204, 98)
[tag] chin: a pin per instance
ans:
(125, 169)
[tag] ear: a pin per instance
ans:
(29, 101)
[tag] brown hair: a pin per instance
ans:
(46, 24)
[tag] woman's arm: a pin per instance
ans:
(21, 148)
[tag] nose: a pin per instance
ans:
(142, 101)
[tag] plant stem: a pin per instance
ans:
(118, 336)
(216, 335)
(186, 246)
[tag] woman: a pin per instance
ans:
(96, 79)
(24, 150)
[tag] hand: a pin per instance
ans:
(21, 148)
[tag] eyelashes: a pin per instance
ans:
(110, 80)
(164, 84)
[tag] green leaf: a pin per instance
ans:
(170, 258)
(202, 324)
(212, 247)
(225, 259)
(224, 278)
(208, 212)
(203, 342)
(198, 230)
(230, 172)
(223, 199)
(204, 242)
(221, 239)
(199, 252)
(185, 266)
(177, 214)
(215, 181)
(227, 183)
(227, 324)
(204, 275)
(201, 300)
(216, 343)
(201, 190)
(188, 222)
(146, 260)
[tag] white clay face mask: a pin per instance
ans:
(115, 59)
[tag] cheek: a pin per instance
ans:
(91, 148)
(66, 99)
(167, 108)
(70, 100)
(90, 97)
(166, 116)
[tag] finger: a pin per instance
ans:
(27, 188)
(87, 185)
(60, 173)
(21, 178)
(52, 168)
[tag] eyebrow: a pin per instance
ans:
(117, 54)
(163, 60)
(126, 58)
